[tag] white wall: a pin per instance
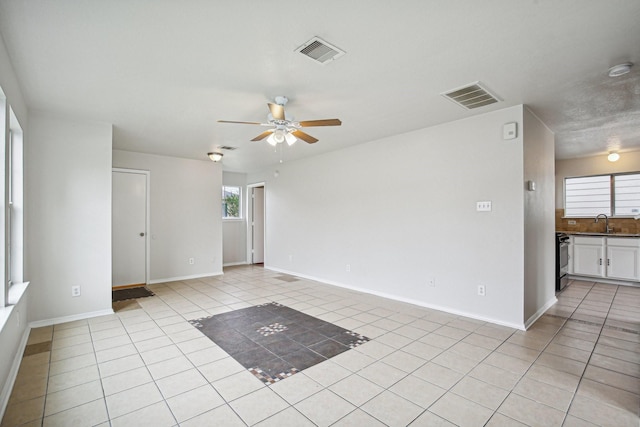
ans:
(234, 232)
(185, 214)
(596, 165)
(13, 334)
(539, 218)
(402, 209)
(13, 320)
(68, 169)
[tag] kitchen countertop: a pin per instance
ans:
(589, 233)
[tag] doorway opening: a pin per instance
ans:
(256, 224)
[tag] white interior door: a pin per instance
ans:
(257, 225)
(129, 228)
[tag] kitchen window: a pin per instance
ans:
(612, 195)
(231, 206)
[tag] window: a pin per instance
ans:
(613, 195)
(231, 202)
(11, 255)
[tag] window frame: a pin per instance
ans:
(612, 194)
(240, 204)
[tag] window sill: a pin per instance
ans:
(232, 219)
(16, 292)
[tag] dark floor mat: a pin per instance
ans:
(274, 342)
(131, 293)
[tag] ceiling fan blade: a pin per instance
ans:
(277, 111)
(327, 122)
(241, 123)
(304, 136)
(263, 135)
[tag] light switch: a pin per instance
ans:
(510, 131)
(484, 206)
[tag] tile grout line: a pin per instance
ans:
(592, 351)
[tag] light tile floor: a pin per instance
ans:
(579, 365)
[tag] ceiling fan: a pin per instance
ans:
(284, 127)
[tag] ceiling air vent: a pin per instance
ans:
(227, 147)
(471, 96)
(320, 51)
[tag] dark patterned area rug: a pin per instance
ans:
(130, 293)
(274, 342)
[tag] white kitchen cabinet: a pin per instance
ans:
(607, 257)
(623, 258)
(588, 256)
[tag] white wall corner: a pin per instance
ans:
(531, 320)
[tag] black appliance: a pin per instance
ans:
(562, 260)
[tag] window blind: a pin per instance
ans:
(588, 196)
(627, 194)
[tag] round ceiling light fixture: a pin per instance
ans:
(215, 157)
(613, 156)
(620, 69)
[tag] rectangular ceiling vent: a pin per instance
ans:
(320, 51)
(471, 96)
(227, 147)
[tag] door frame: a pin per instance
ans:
(147, 249)
(250, 221)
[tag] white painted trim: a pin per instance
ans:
(531, 320)
(13, 373)
(402, 299)
(178, 278)
(231, 264)
(604, 280)
(147, 255)
(71, 318)
(249, 255)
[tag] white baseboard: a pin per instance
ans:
(531, 320)
(71, 318)
(402, 299)
(178, 278)
(231, 264)
(13, 373)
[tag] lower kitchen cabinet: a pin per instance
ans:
(608, 257)
(623, 258)
(587, 256)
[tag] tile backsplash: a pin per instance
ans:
(587, 225)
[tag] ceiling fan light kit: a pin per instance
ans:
(285, 128)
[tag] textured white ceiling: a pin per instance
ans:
(164, 71)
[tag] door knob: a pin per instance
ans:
(141, 234)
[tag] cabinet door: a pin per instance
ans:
(587, 260)
(622, 262)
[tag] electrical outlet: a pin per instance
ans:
(75, 291)
(348, 268)
(431, 282)
(191, 261)
(481, 290)
(483, 206)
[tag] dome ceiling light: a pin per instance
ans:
(620, 69)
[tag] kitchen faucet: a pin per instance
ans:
(606, 222)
